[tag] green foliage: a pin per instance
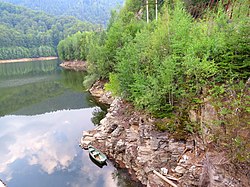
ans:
(94, 11)
(232, 52)
(161, 126)
(75, 47)
(165, 124)
(232, 106)
(166, 67)
(113, 86)
(89, 80)
(156, 65)
(25, 33)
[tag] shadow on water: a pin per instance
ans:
(98, 115)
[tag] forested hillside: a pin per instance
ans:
(176, 64)
(27, 33)
(94, 11)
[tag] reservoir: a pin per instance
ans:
(43, 111)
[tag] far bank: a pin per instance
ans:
(27, 59)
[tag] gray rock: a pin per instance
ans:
(180, 169)
(155, 143)
(111, 128)
(117, 132)
(164, 171)
(120, 146)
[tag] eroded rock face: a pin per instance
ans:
(130, 139)
(97, 90)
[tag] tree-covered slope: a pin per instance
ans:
(28, 33)
(94, 11)
(177, 64)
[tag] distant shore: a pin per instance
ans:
(27, 59)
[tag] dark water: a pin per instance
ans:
(43, 111)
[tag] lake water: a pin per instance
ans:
(43, 111)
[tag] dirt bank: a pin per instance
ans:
(27, 59)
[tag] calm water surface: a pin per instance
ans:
(43, 111)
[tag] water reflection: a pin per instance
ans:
(21, 68)
(23, 85)
(44, 110)
(98, 115)
(46, 146)
(73, 80)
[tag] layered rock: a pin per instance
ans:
(130, 139)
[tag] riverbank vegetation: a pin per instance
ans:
(186, 59)
(26, 33)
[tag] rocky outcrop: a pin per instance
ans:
(74, 65)
(130, 139)
(97, 90)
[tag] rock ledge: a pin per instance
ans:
(130, 139)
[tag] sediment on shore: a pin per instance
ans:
(27, 59)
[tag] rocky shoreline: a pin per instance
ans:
(74, 65)
(130, 139)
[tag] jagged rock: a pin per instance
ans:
(112, 128)
(130, 140)
(155, 143)
(85, 134)
(117, 132)
(106, 98)
(131, 137)
(164, 171)
(190, 145)
(184, 159)
(120, 146)
(180, 169)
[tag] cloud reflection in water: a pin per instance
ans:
(49, 142)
